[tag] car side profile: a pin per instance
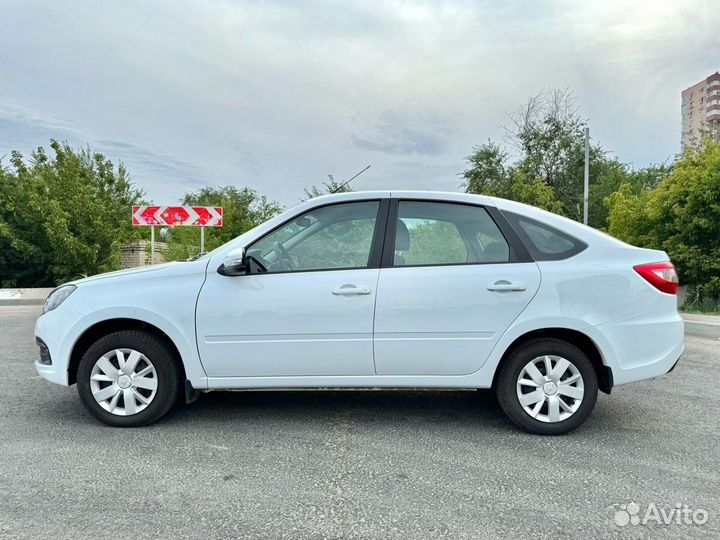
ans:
(388, 289)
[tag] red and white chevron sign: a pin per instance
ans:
(174, 216)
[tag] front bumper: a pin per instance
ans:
(55, 330)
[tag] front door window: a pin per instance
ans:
(327, 238)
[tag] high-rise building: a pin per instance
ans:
(700, 109)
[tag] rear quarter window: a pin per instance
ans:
(545, 243)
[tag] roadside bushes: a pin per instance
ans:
(680, 216)
(63, 216)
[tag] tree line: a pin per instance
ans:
(65, 214)
(673, 206)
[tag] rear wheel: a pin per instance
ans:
(128, 378)
(547, 386)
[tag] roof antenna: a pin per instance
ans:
(347, 181)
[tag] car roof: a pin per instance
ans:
(407, 194)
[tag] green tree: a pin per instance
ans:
(243, 209)
(536, 192)
(547, 135)
(608, 176)
(488, 170)
(326, 188)
(62, 216)
(680, 216)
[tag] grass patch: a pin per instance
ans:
(706, 306)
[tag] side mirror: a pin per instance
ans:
(233, 263)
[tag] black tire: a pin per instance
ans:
(511, 368)
(169, 382)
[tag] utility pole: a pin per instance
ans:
(152, 244)
(586, 183)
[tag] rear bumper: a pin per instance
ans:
(675, 364)
(642, 347)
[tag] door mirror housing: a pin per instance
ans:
(234, 263)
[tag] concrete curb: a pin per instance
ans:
(23, 297)
(702, 325)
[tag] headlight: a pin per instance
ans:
(57, 297)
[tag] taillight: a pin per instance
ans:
(661, 275)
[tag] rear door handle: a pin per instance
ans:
(503, 285)
(351, 290)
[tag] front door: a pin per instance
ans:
(306, 307)
(449, 290)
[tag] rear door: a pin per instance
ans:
(450, 285)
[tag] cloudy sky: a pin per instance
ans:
(277, 95)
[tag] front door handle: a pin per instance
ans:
(503, 285)
(351, 290)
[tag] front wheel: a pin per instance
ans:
(547, 387)
(128, 378)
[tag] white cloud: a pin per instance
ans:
(276, 95)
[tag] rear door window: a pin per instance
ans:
(435, 233)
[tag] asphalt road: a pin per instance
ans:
(353, 464)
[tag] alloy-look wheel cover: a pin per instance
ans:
(123, 382)
(550, 388)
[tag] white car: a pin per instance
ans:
(376, 289)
